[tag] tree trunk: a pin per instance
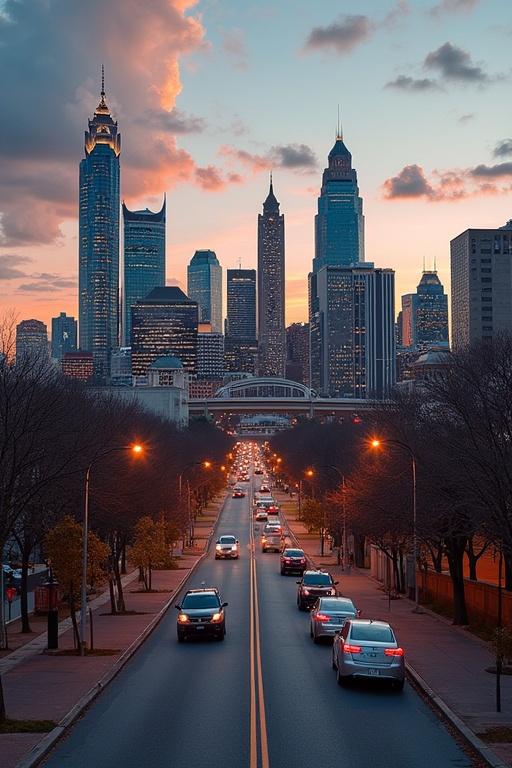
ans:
(123, 557)
(396, 574)
(121, 608)
(472, 559)
(507, 561)
(25, 555)
(455, 548)
(112, 594)
(150, 576)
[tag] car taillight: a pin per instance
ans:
(351, 648)
(321, 617)
(393, 651)
(303, 560)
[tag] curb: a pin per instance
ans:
(476, 743)
(37, 753)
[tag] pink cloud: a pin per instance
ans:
(447, 186)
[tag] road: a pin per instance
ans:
(264, 698)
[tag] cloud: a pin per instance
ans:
(492, 171)
(466, 118)
(45, 282)
(175, 121)
(503, 148)
(409, 183)
(453, 6)
(418, 85)
(211, 179)
(342, 36)
(233, 43)
(295, 157)
(455, 64)
(9, 266)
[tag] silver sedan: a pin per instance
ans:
(329, 615)
(368, 649)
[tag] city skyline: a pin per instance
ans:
(212, 159)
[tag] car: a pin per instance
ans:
(314, 584)
(368, 649)
(271, 542)
(272, 527)
(261, 516)
(264, 489)
(329, 614)
(258, 471)
(226, 547)
(292, 561)
(238, 493)
(201, 614)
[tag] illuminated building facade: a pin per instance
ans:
(210, 353)
(297, 353)
(31, 340)
(78, 365)
(164, 323)
(98, 269)
(144, 258)
(204, 285)
(271, 323)
(240, 344)
(424, 315)
(63, 335)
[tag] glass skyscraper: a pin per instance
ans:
(241, 346)
(204, 285)
(98, 270)
(144, 259)
(63, 335)
(339, 223)
(271, 327)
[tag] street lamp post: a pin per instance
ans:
(137, 450)
(376, 443)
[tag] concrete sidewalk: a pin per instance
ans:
(450, 660)
(41, 685)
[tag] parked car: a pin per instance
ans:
(201, 614)
(329, 614)
(226, 547)
(293, 561)
(368, 649)
(314, 584)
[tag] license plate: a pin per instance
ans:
(199, 626)
(372, 671)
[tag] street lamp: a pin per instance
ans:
(137, 450)
(377, 443)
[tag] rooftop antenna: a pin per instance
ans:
(423, 263)
(435, 265)
(103, 80)
(339, 126)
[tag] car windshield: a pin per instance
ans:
(372, 632)
(227, 540)
(200, 601)
(293, 553)
(317, 578)
(338, 606)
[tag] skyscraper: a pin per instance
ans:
(271, 327)
(481, 285)
(31, 340)
(144, 258)
(241, 346)
(425, 314)
(353, 339)
(204, 278)
(210, 353)
(164, 323)
(98, 270)
(339, 223)
(63, 335)
(297, 352)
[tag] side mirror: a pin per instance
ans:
(178, 607)
(225, 605)
(359, 612)
(298, 582)
(336, 582)
(237, 541)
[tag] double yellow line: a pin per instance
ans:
(258, 718)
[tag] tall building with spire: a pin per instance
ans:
(271, 325)
(98, 268)
(144, 259)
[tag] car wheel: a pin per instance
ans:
(398, 685)
(316, 639)
(181, 638)
(333, 661)
(282, 572)
(343, 681)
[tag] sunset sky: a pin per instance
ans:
(211, 95)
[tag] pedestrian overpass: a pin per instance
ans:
(274, 395)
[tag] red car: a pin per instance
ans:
(293, 561)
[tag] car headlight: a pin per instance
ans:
(182, 618)
(217, 617)
(218, 547)
(305, 591)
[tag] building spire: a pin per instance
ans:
(339, 126)
(102, 81)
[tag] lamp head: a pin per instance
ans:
(137, 449)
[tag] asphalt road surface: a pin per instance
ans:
(266, 697)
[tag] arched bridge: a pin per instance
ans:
(274, 395)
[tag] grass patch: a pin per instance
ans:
(483, 631)
(500, 734)
(26, 726)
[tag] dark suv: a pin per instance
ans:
(293, 560)
(201, 613)
(314, 584)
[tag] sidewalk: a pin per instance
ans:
(41, 685)
(448, 659)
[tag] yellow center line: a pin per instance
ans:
(261, 696)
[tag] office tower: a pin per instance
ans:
(210, 353)
(241, 310)
(481, 285)
(339, 223)
(204, 279)
(78, 365)
(121, 366)
(353, 338)
(31, 340)
(98, 270)
(271, 327)
(63, 335)
(164, 323)
(144, 259)
(297, 353)
(424, 315)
